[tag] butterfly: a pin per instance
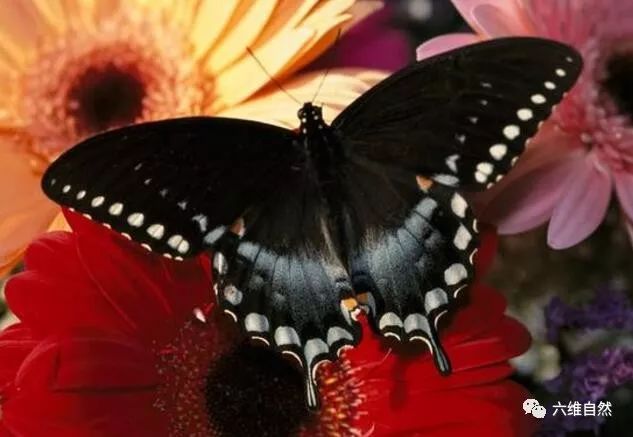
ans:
(307, 228)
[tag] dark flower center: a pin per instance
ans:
(252, 391)
(619, 81)
(104, 97)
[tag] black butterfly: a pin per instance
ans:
(306, 227)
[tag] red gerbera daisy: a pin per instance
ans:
(114, 341)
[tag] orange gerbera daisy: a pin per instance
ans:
(71, 68)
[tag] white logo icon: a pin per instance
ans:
(532, 406)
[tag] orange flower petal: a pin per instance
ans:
(241, 33)
(285, 19)
(53, 12)
(325, 35)
(17, 230)
(212, 18)
(340, 88)
(19, 185)
(245, 77)
(22, 23)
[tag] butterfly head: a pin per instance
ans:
(311, 117)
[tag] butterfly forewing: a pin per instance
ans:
(173, 186)
(461, 118)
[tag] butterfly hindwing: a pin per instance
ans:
(462, 117)
(172, 186)
(412, 243)
(279, 274)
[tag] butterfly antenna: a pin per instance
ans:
(338, 36)
(275, 81)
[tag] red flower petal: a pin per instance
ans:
(16, 343)
(99, 308)
(83, 385)
(488, 410)
(89, 361)
(129, 290)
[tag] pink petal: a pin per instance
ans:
(495, 18)
(583, 205)
(624, 190)
(444, 43)
(528, 199)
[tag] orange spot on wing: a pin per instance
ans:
(424, 183)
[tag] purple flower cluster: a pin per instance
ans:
(609, 309)
(591, 376)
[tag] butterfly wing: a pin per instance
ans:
(173, 186)
(411, 248)
(281, 275)
(458, 120)
(463, 117)
(240, 189)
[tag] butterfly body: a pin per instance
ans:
(306, 227)
(322, 151)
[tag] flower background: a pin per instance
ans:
(576, 302)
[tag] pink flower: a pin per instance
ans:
(584, 153)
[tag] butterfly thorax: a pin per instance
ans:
(320, 145)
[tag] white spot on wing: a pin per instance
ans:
(212, 237)
(560, 72)
(66, 189)
(256, 323)
(451, 163)
(511, 131)
(81, 194)
(232, 295)
(174, 241)
(313, 348)
(454, 274)
(458, 205)
(389, 319)
(156, 231)
(539, 99)
(116, 208)
(434, 299)
(481, 177)
(97, 201)
(446, 179)
(286, 335)
(498, 151)
(220, 263)
(336, 333)
(136, 219)
(550, 85)
(462, 238)
(485, 167)
(202, 221)
(525, 114)
(416, 322)
(183, 247)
